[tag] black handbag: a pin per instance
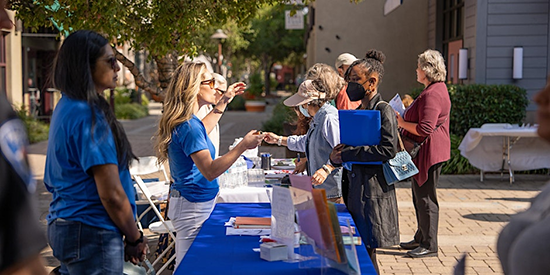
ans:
(412, 146)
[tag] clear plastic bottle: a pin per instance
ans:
(241, 172)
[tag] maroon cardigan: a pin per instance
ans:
(429, 110)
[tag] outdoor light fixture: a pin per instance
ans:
(517, 68)
(463, 63)
(219, 35)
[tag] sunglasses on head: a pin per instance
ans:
(209, 82)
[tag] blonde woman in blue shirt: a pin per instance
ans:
(182, 139)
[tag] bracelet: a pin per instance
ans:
(325, 167)
(136, 242)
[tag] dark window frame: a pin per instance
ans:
(452, 21)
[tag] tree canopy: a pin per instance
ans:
(270, 42)
(166, 30)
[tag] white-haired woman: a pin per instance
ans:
(323, 134)
(427, 118)
(182, 138)
(210, 116)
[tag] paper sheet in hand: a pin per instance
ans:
(397, 104)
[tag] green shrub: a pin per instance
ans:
(476, 104)
(281, 114)
(144, 100)
(457, 164)
(122, 95)
(36, 130)
(130, 111)
(237, 104)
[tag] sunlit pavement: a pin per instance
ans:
(472, 213)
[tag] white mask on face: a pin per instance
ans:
(304, 111)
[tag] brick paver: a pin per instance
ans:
(472, 213)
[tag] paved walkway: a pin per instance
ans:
(471, 213)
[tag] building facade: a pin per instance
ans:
(336, 27)
(487, 32)
(11, 76)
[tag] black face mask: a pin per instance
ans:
(355, 91)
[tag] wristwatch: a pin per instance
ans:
(136, 242)
(280, 140)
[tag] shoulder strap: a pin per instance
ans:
(398, 134)
(381, 101)
(435, 129)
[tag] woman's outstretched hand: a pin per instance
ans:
(271, 138)
(253, 139)
(234, 89)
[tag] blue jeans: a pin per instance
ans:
(84, 249)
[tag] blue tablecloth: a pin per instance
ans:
(213, 252)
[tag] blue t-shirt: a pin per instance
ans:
(187, 138)
(72, 150)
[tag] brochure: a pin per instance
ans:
(397, 104)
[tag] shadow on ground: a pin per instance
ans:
(488, 217)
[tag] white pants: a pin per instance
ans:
(187, 218)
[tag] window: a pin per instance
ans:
(453, 23)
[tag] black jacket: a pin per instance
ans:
(371, 202)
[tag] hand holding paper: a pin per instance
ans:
(397, 104)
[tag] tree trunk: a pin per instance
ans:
(267, 71)
(165, 67)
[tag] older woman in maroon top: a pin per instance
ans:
(428, 118)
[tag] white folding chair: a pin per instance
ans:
(146, 166)
(158, 189)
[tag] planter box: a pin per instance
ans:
(255, 106)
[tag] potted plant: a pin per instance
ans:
(253, 94)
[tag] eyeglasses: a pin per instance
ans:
(209, 82)
(112, 60)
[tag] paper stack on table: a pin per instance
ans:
(248, 226)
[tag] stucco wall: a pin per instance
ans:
(14, 75)
(401, 35)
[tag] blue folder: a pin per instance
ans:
(359, 128)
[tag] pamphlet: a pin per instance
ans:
(397, 104)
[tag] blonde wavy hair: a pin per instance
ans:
(325, 80)
(431, 62)
(181, 96)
